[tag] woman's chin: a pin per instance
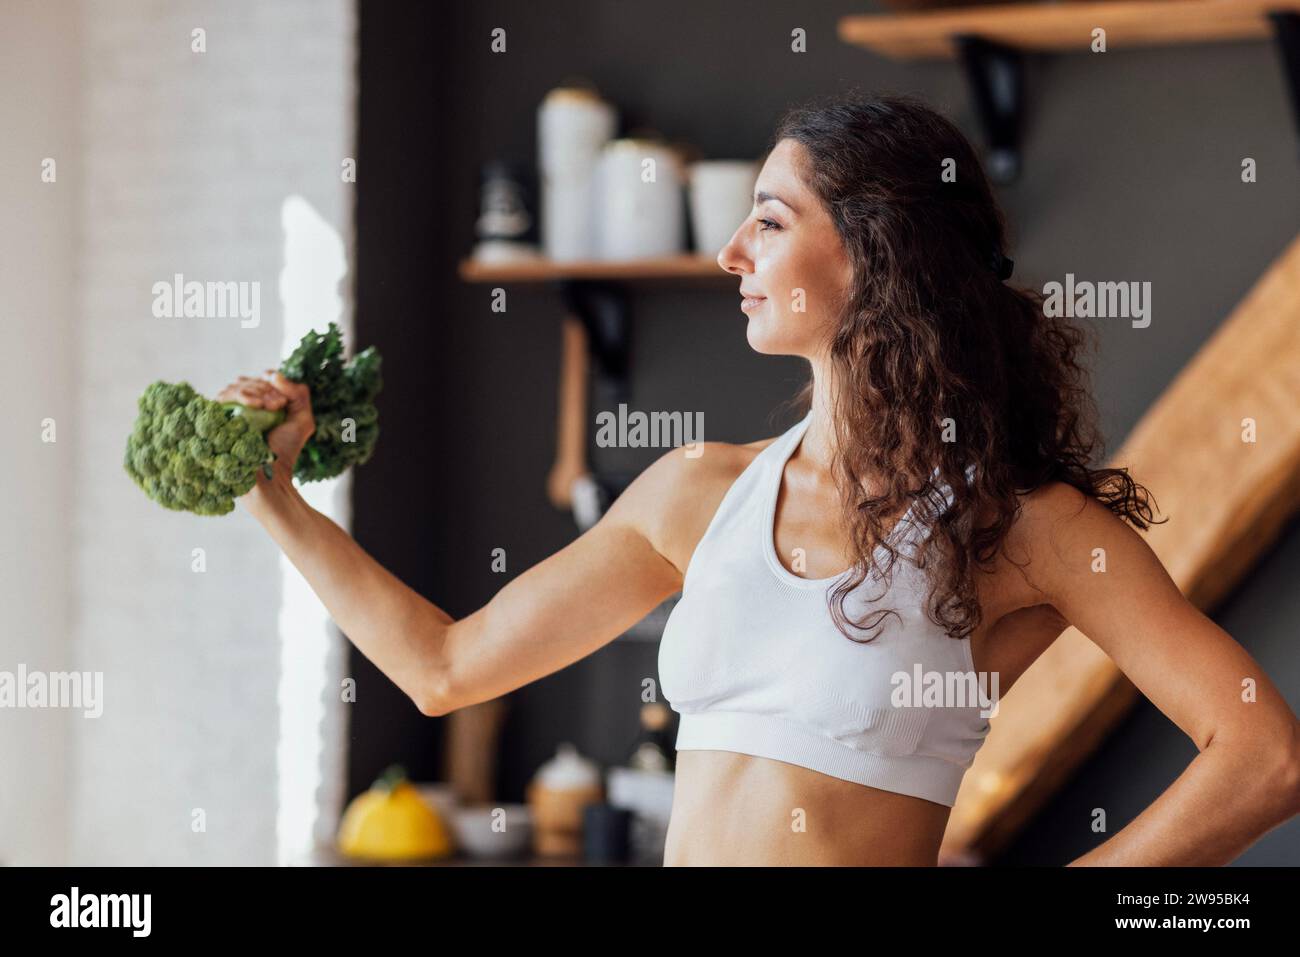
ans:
(763, 340)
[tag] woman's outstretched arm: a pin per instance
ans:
(557, 612)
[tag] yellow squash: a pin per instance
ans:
(391, 822)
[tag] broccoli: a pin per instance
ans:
(342, 402)
(193, 454)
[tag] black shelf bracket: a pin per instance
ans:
(995, 76)
(602, 307)
(1286, 30)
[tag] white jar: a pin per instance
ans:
(573, 124)
(641, 200)
(721, 198)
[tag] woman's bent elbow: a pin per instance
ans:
(435, 692)
(435, 697)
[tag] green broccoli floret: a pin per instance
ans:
(192, 454)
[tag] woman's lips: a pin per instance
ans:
(751, 302)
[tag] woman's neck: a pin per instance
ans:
(819, 442)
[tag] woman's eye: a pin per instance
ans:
(766, 224)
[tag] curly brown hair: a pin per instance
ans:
(929, 337)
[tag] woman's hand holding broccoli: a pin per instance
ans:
(314, 418)
(287, 439)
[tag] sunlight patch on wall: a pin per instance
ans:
(310, 749)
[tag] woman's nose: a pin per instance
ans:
(732, 258)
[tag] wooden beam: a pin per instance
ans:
(1227, 501)
(1041, 27)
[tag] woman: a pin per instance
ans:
(933, 512)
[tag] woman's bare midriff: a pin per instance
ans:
(738, 810)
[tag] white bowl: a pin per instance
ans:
(477, 837)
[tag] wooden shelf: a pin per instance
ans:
(544, 270)
(1066, 26)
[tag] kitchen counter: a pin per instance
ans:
(329, 857)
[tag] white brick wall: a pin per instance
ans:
(185, 161)
(38, 119)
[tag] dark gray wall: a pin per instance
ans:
(1131, 172)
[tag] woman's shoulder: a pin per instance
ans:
(674, 499)
(1056, 513)
(692, 470)
(1044, 509)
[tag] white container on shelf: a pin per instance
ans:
(573, 124)
(721, 197)
(641, 200)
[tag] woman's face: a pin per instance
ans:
(790, 260)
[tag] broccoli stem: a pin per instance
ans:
(263, 420)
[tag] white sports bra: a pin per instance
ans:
(752, 661)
